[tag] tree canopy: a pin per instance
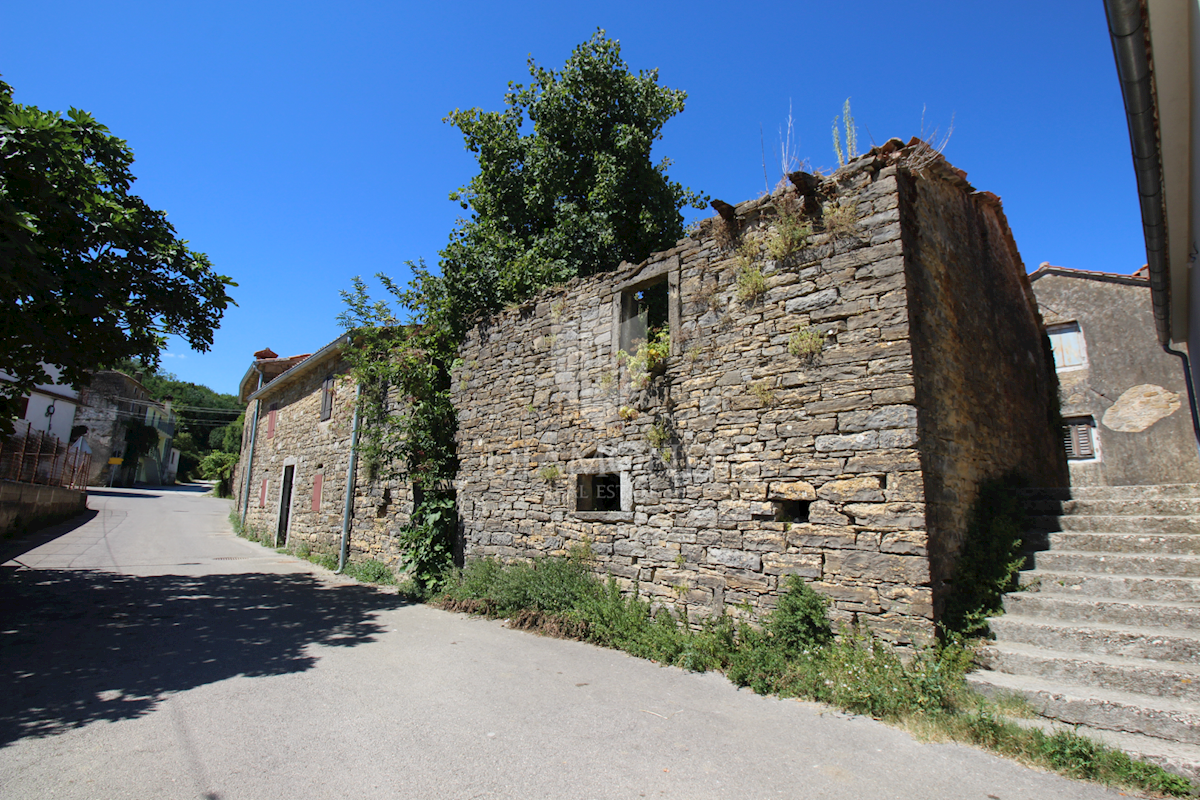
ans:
(577, 195)
(89, 273)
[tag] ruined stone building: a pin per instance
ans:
(296, 455)
(848, 360)
(1123, 399)
(108, 406)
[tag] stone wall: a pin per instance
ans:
(747, 460)
(313, 448)
(985, 389)
(107, 404)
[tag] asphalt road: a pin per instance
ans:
(147, 652)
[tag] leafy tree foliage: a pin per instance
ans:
(577, 195)
(91, 274)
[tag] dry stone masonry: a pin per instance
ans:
(827, 412)
(317, 452)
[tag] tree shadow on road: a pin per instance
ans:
(82, 646)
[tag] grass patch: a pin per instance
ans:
(793, 654)
(369, 571)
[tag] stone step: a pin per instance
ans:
(1048, 605)
(1119, 587)
(1165, 543)
(1116, 524)
(1108, 639)
(1143, 506)
(1114, 492)
(1135, 675)
(1181, 759)
(1185, 566)
(1104, 709)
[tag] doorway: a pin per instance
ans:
(285, 506)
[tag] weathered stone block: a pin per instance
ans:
(806, 565)
(865, 488)
(738, 559)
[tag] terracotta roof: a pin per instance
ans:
(1046, 268)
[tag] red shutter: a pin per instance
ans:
(262, 494)
(271, 424)
(318, 483)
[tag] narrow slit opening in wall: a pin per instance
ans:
(643, 311)
(381, 510)
(599, 492)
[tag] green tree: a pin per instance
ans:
(575, 196)
(91, 274)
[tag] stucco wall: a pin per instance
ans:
(1133, 390)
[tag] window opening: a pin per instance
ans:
(327, 398)
(644, 311)
(1066, 343)
(599, 492)
(1078, 439)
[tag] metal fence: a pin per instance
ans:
(32, 456)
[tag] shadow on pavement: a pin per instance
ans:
(123, 493)
(19, 545)
(82, 646)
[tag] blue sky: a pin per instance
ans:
(300, 144)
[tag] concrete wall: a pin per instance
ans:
(27, 504)
(737, 429)
(1133, 390)
(314, 447)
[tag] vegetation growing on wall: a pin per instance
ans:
(990, 559)
(577, 195)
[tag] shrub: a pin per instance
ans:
(750, 282)
(649, 358)
(806, 342)
(370, 571)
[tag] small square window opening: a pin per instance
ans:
(599, 492)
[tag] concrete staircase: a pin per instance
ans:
(1106, 632)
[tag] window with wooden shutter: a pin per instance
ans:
(262, 494)
(1066, 342)
(327, 398)
(1077, 438)
(318, 484)
(274, 409)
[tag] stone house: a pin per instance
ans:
(827, 412)
(1123, 399)
(108, 405)
(295, 460)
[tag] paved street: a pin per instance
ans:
(147, 652)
